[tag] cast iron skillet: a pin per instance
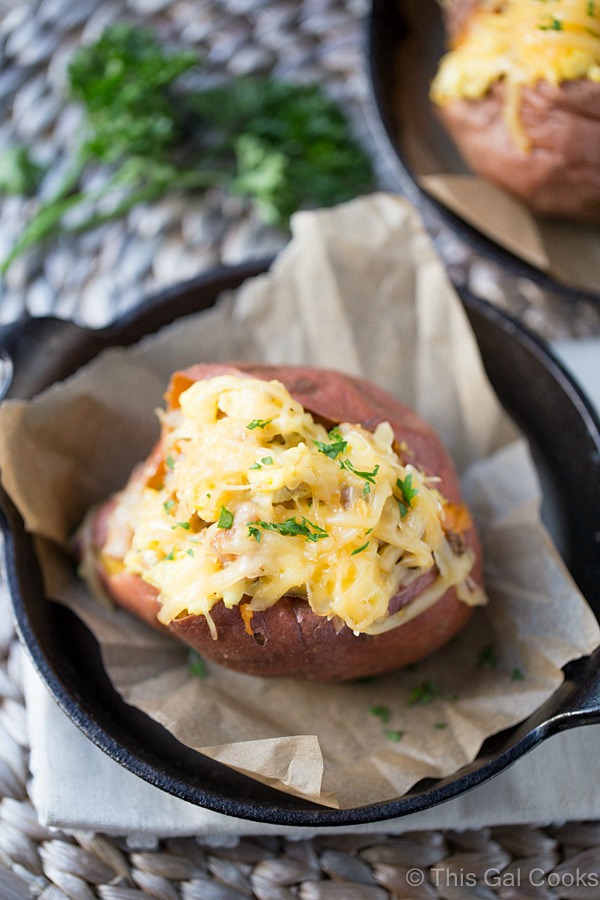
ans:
(405, 42)
(533, 387)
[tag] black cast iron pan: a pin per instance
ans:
(533, 387)
(405, 41)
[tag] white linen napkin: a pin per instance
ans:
(76, 786)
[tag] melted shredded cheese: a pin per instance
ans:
(259, 501)
(521, 42)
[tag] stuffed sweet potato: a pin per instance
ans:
(519, 93)
(290, 521)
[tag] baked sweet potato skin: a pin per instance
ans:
(559, 175)
(288, 639)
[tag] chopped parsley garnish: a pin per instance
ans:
(190, 552)
(381, 712)
(591, 8)
(225, 519)
(169, 462)
(360, 549)
(423, 694)
(170, 556)
(290, 528)
(338, 445)
(393, 736)
(197, 666)
(367, 476)
(184, 525)
(487, 657)
(266, 461)
(367, 489)
(258, 423)
(408, 494)
(255, 532)
(517, 675)
(440, 725)
(168, 505)
(552, 24)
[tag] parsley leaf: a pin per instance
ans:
(423, 694)
(552, 24)
(169, 462)
(290, 528)
(393, 736)
(360, 549)
(168, 505)
(517, 675)
(196, 665)
(225, 518)
(258, 423)
(337, 446)
(381, 712)
(487, 657)
(408, 493)
(18, 173)
(255, 532)
(368, 476)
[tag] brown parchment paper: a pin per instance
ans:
(358, 289)
(569, 251)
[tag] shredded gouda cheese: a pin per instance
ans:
(259, 501)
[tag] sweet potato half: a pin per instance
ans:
(558, 173)
(289, 639)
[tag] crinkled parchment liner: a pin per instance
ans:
(358, 289)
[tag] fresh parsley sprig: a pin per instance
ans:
(281, 146)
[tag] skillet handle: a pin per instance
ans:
(35, 352)
(578, 701)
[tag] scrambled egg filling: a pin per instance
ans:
(256, 500)
(521, 42)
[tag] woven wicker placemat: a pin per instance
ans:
(97, 277)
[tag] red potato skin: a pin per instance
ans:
(289, 639)
(559, 176)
